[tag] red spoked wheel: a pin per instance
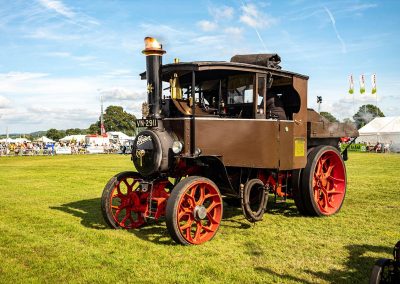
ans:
(324, 181)
(122, 204)
(194, 211)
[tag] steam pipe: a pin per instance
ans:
(193, 120)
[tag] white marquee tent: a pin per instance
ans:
(7, 140)
(44, 139)
(21, 140)
(77, 138)
(119, 136)
(382, 130)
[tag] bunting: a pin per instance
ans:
(373, 83)
(362, 84)
(351, 85)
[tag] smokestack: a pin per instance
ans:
(154, 52)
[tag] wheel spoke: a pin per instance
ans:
(336, 179)
(197, 233)
(212, 206)
(184, 211)
(191, 198)
(202, 189)
(207, 229)
(211, 218)
(188, 234)
(329, 171)
(188, 224)
(319, 168)
(334, 192)
(124, 219)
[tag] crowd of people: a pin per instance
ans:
(378, 147)
(39, 148)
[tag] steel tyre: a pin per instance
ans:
(194, 211)
(121, 205)
(323, 181)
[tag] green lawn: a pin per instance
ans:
(51, 229)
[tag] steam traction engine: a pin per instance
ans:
(238, 129)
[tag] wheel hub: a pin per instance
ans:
(200, 212)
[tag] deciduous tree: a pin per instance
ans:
(365, 114)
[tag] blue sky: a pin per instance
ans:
(58, 56)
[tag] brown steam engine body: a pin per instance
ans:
(238, 129)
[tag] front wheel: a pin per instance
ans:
(194, 211)
(122, 205)
(323, 181)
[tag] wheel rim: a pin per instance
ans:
(329, 183)
(199, 212)
(127, 204)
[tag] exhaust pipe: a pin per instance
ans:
(154, 52)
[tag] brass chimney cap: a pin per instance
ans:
(152, 47)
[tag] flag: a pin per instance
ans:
(362, 84)
(373, 82)
(351, 83)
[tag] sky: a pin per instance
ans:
(59, 56)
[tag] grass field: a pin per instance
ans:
(51, 230)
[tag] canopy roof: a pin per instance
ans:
(77, 138)
(7, 140)
(221, 66)
(382, 125)
(44, 139)
(121, 135)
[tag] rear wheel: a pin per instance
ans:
(323, 181)
(122, 205)
(194, 211)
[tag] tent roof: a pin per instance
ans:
(7, 140)
(21, 140)
(120, 135)
(77, 137)
(390, 124)
(44, 139)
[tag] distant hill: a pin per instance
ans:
(16, 135)
(38, 133)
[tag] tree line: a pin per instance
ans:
(115, 119)
(364, 115)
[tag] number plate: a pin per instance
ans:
(146, 122)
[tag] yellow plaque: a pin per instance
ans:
(299, 147)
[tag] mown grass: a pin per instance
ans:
(51, 230)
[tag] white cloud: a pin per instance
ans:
(221, 12)
(20, 76)
(58, 7)
(234, 32)
(254, 18)
(207, 26)
(84, 58)
(48, 34)
(122, 94)
(4, 102)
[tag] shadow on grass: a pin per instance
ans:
(280, 276)
(356, 269)
(91, 217)
(89, 212)
(285, 209)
